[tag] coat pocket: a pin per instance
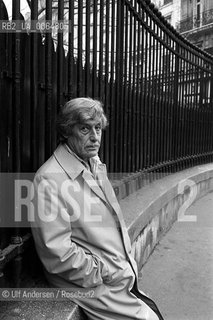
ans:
(105, 273)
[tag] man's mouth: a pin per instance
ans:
(92, 147)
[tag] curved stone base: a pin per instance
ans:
(151, 211)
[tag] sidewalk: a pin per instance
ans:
(179, 273)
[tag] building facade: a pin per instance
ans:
(192, 18)
(170, 9)
(196, 23)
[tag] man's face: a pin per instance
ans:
(86, 138)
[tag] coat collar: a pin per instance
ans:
(74, 167)
(70, 164)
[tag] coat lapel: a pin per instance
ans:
(111, 197)
(73, 167)
(69, 163)
(92, 183)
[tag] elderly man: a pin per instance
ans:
(79, 230)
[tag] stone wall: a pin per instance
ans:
(161, 204)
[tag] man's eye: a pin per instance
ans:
(84, 130)
(98, 128)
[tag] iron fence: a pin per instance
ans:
(157, 88)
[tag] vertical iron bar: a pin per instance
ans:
(34, 85)
(94, 78)
(6, 137)
(129, 137)
(101, 41)
(112, 78)
(204, 110)
(196, 104)
(176, 104)
(71, 50)
(180, 62)
(209, 111)
(60, 57)
(170, 96)
(16, 102)
(152, 95)
(133, 108)
(48, 83)
(138, 95)
(201, 109)
(159, 93)
(149, 92)
(17, 87)
(164, 100)
(118, 146)
(59, 81)
(191, 113)
(182, 136)
(101, 58)
(186, 120)
(126, 85)
(160, 97)
(142, 108)
(87, 64)
(106, 84)
(167, 97)
(80, 48)
(145, 150)
(155, 102)
(163, 137)
(211, 108)
(184, 70)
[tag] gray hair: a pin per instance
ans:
(79, 110)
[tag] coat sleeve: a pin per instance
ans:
(53, 239)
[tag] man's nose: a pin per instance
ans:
(93, 135)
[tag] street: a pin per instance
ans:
(179, 273)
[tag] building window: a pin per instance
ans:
(197, 13)
(198, 10)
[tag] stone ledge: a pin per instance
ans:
(151, 211)
(40, 310)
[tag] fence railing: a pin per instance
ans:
(157, 88)
(154, 84)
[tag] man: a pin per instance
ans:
(79, 230)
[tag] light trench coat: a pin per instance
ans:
(82, 241)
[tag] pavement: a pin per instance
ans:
(179, 274)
